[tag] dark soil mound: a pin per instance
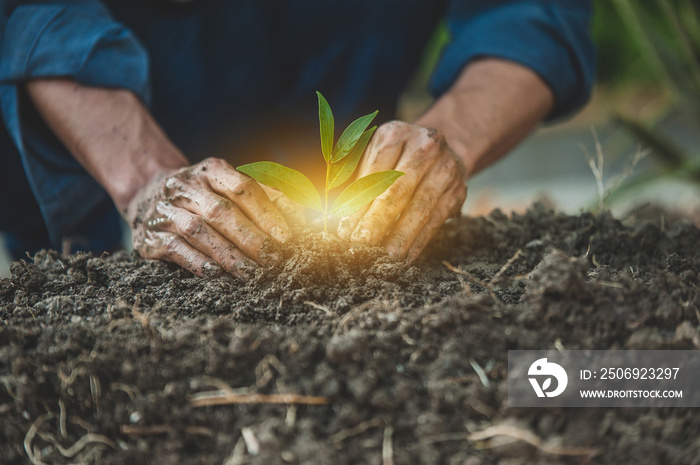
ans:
(342, 356)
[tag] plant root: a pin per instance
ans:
(148, 430)
(360, 428)
(520, 434)
(204, 399)
(388, 446)
(480, 372)
(471, 278)
(505, 267)
(323, 308)
(29, 437)
(69, 452)
(251, 442)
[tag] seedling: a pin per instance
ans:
(341, 162)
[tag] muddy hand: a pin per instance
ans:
(293, 213)
(207, 218)
(409, 213)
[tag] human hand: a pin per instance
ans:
(409, 213)
(294, 214)
(207, 218)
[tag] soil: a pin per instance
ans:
(118, 360)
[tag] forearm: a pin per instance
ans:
(109, 132)
(492, 106)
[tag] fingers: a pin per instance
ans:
(173, 248)
(382, 153)
(347, 225)
(292, 212)
(248, 196)
(204, 238)
(417, 215)
(422, 161)
(384, 210)
(406, 216)
(216, 214)
(385, 148)
(207, 218)
(444, 209)
(421, 207)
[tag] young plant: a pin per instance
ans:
(341, 162)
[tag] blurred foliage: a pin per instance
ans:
(620, 60)
(641, 45)
(431, 54)
(620, 57)
(654, 42)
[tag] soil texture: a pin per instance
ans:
(339, 355)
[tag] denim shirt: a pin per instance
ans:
(207, 66)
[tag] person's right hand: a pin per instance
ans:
(207, 218)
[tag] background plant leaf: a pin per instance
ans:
(291, 182)
(343, 169)
(665, 150)
(327, 124)
(666, 48)
(363, 191)
(349, 137)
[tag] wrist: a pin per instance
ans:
(140, 153)
(491, 107)
(109, 132)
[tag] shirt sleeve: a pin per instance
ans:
(76, 39)
(72, 39)
(550, 37)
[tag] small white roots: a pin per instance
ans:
(36, 456)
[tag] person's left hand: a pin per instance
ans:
(409, 213)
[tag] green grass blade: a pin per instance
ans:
(291, 182)
(350, 136)
(343, 169)
(325, 121)
(363, 191)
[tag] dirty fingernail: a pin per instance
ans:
(412, 255)
(246, 268)
(279, 234)
(211, 270)
(363, 235)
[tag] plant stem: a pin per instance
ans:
(325, 204)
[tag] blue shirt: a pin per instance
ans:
(211, 69)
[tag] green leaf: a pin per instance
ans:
(350, 136)
(363, 191)
(343, 169)
(291, 182)
(325, 120)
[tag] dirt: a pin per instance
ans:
(118, 360)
